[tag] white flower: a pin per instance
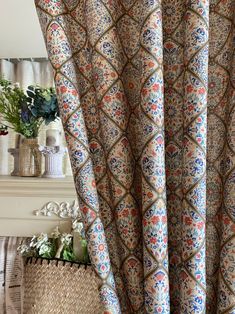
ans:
(12, 87)
(38, 241)
(44, 248)
(17, 85)
(23, 249)
(33, 241)
(43, 238)
(66, 238)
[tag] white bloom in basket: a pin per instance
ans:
(43, 238)
(66, 238)
(33, 241)
(23, 249)
(38, 241)
(44, 248)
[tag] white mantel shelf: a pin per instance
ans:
(20, 197)
(36, 187)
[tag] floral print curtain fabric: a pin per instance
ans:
(146, 92)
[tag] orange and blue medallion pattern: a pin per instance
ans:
(147, 101)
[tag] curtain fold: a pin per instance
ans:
(146, 93)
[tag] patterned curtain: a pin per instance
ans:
(148, 108)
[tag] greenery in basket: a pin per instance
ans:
(58, 245)
(26, 111)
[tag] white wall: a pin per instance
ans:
(20, 33)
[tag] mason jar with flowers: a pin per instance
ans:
(25, 112)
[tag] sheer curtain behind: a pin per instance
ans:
(27, 72)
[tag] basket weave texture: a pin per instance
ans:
(60, 288)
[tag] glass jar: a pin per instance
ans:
(29, 158)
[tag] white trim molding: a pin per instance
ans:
(37, 187)
(62, 210)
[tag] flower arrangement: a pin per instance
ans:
(58, 245)
(43, 103)
(25, 112)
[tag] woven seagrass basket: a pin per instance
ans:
(52, 286)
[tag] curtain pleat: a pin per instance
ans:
(146, 93)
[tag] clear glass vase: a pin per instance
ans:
(29, 158)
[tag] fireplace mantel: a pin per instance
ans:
(32, 205)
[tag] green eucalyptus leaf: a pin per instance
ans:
(30, 94)
(31, 87)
